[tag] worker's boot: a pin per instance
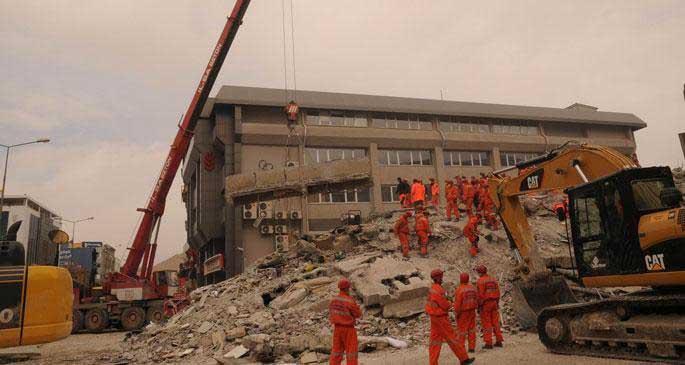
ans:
(472, 350)
(487, 347)
(468, 361)
(499, 344)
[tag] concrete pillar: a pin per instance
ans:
(496, 162)
(682, 142)
(376, 197)
(304, 199)
(440, 174)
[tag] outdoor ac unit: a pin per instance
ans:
(249, 211)
(265, 210)
(280, 214)
(281, 229)
(295, 215)
(281, 241)
(291, 163)
(266, 229)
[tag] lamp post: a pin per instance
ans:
(4, 175)
(73, 226)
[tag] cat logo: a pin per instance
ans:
(533, 182)
(655, 262)
(596, 264)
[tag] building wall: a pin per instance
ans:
(37, 222)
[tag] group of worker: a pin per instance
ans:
(422, 228)
(483, 298)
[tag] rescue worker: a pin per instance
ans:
(451, 195)
(423, 230)
(468, 195)
(471, 233)
(476, 192)
(488, 207)
(561, 209)
(403, 190)
(402, 232)
(465, 305)
(435, 193)
(488, 307)
(343, 314)
(418, 193)
(437, 307)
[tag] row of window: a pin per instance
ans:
(404, 157)
(342, 196)
(509, 159)
(320, 155)
(389, 193)
(467, 158)
(340, 118)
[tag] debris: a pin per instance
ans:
(237, 352)
(238, 332)
(205, 327)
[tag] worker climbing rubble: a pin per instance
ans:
(465, 305)
(403, 190)
(343, 313)
(487, 207)
(452, 196)
(468, 193)
(402, 232)
(488, 307)
(435, 193)
(437, 308)
(472, 234)
(423, 230)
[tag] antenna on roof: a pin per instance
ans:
(441, 98)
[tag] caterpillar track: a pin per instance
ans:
(645, 327)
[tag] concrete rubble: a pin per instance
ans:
(277, 310)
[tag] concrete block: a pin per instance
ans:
(404, 308)
(417, 287)
(347, 267)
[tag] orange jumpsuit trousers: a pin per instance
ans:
(441, 331)
(466, 326)
(345, 343)
(490, 321)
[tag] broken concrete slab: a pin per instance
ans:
(205, 327)
(290, 298)
(237, 352)
(237, 332)
(347, 267)
(262, 319)
(404, 308)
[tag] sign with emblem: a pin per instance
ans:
(533, 181)
(655, 262)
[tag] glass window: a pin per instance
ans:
(338, 197)
(515, 128)
(393, 158)
(383, 158)
(483, 128)
(324, 118)
(415, 157)
(484, 158)
(312, 117)
(325, 197)
(425, 158)
(378, 120)
(358, 153)
(404, 157)
(360, 120)
(647, 194)
(310, 156)
(448, 158)
(337, 119)
(364, 195)
(402, 121)
(386, 193)
(335, 154)
(351, 195)
(465, 158)
(497, 128)
(588, 218)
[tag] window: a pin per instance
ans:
(459, 125)
(647, 194)
(588, 218)
(404, 157)
(389, 194)
(342, 196)
(401, 121)
(512, 158)
(519, 127)
(336, 118)
(320, 155)
(467, 158)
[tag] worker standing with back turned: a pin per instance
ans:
(402, 232)
(451, 196)
(488, 303)
(437, 307)
(423, 230)
(465, 305)
(343, 314)
(435, 193)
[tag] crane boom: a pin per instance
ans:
(155, 207)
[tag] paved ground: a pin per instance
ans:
(519, 349)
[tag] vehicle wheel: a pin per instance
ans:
(556, 329)
(132, 318)
(623, 312)
(155, 315)
(96, 320)
(77, 320)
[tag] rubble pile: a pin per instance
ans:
(277, 310)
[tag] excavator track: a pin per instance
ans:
(644, 327)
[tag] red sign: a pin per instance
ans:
(209, 161)
(214, 264)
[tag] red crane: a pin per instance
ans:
(134, 282)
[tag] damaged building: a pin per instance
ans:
(244, 132)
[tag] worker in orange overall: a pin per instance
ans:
(471, 233)
(435, 193)
(488, 307)
(423, 230)
(343, 313)
(476, 193)
(468, 194)
(465, 305)
(402, 232)
(451, 195)
(561, 209)
(418, 193)
(487, 207)
(437, 307)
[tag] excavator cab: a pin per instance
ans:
(626, 224)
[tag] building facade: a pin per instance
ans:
(37, 222)
(245, 129)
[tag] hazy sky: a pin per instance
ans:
(108, 80)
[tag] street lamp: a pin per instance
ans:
(4, 175)
(73, 226)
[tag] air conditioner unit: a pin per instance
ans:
(281, 229)
(295, 215)
(250, 211)
(281, 214)
(266, 229)
(265, 210)
(282, 242)
(291, 163)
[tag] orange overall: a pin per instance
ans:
(418, 193)
(402, 232)
(452, 194)
(435, 194)
(437, 308)
(343, 312)
(469, 193)
(471, 233)
(488, 208)
(422, 227)
(488, 301)
(465, 305)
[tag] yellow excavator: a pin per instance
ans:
(35, 301)
(627, 229)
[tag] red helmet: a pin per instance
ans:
(407, 213)
(481, 269)
(436, 273)
(344, 284)
(464, 277)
